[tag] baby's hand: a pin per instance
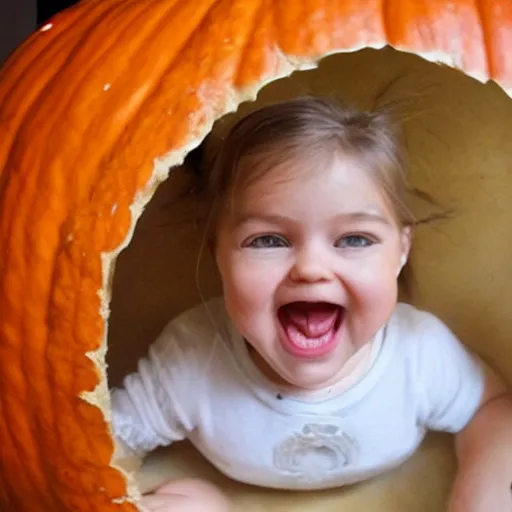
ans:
(186, 495)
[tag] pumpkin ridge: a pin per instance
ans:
(173, 65)
(10, 426)
(11, 436)
(32, 398)
(486, 39)
(18, 97)
(56, 364)
(125, 124)
(34, 51)
(249, 24)
(78, 384)
(50, 83)
(55, 36)
(92, 63)
(387, 20)
(117, 140)
(29, 348)
(42, 393)
(57, 44)
(258, 14)
(173, 62)
(270, 60)
(73, 413)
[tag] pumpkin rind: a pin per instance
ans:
(93, 111)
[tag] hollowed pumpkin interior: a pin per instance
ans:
(458, 138)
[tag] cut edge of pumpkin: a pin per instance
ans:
(162, 168)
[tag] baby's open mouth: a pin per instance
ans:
(310, 328)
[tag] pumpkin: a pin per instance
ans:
(95, 108)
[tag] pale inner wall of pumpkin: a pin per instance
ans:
(458, 138)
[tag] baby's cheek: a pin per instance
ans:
(243, 291)
(254, 282)
(250, 296)
(374, 300)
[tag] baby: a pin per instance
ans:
(308, 373)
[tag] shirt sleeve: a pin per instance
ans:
(450, 380)
(142, 416)
(153, 407)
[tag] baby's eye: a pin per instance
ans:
(354, 241)
(267, 242)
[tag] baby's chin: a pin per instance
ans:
(311, 383)
(286, 370)
(311, 377)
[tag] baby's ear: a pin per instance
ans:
(406, 242)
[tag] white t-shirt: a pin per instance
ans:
(200, 383)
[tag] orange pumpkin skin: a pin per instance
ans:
(86, 104)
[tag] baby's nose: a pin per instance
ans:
(311, 264)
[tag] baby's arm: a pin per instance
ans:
(459, 394)
(484, 452)
(155, 407)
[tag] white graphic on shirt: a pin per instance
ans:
(315, 452)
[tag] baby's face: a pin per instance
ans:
(309, 268)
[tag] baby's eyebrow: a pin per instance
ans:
(244, 218)
(364, 216)
(357, 216)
